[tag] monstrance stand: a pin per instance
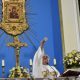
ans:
(14, 23)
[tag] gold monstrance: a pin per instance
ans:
(14, 24)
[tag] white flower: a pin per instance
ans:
(68, 63)
(70, 60)
(79, 62)
(76, 58)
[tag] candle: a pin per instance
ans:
(3, 62)
(30, 61)
(54, 61)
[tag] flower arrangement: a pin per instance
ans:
(72, 59)
(19, 72)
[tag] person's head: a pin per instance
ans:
(13, 9)
(45, 60)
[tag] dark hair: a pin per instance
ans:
(13, 7)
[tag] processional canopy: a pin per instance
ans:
(14, 19)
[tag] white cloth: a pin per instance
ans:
(50, 69)
(38, 67)
(37, 63)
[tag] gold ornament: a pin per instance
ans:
(14, 20)
(17, 45)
